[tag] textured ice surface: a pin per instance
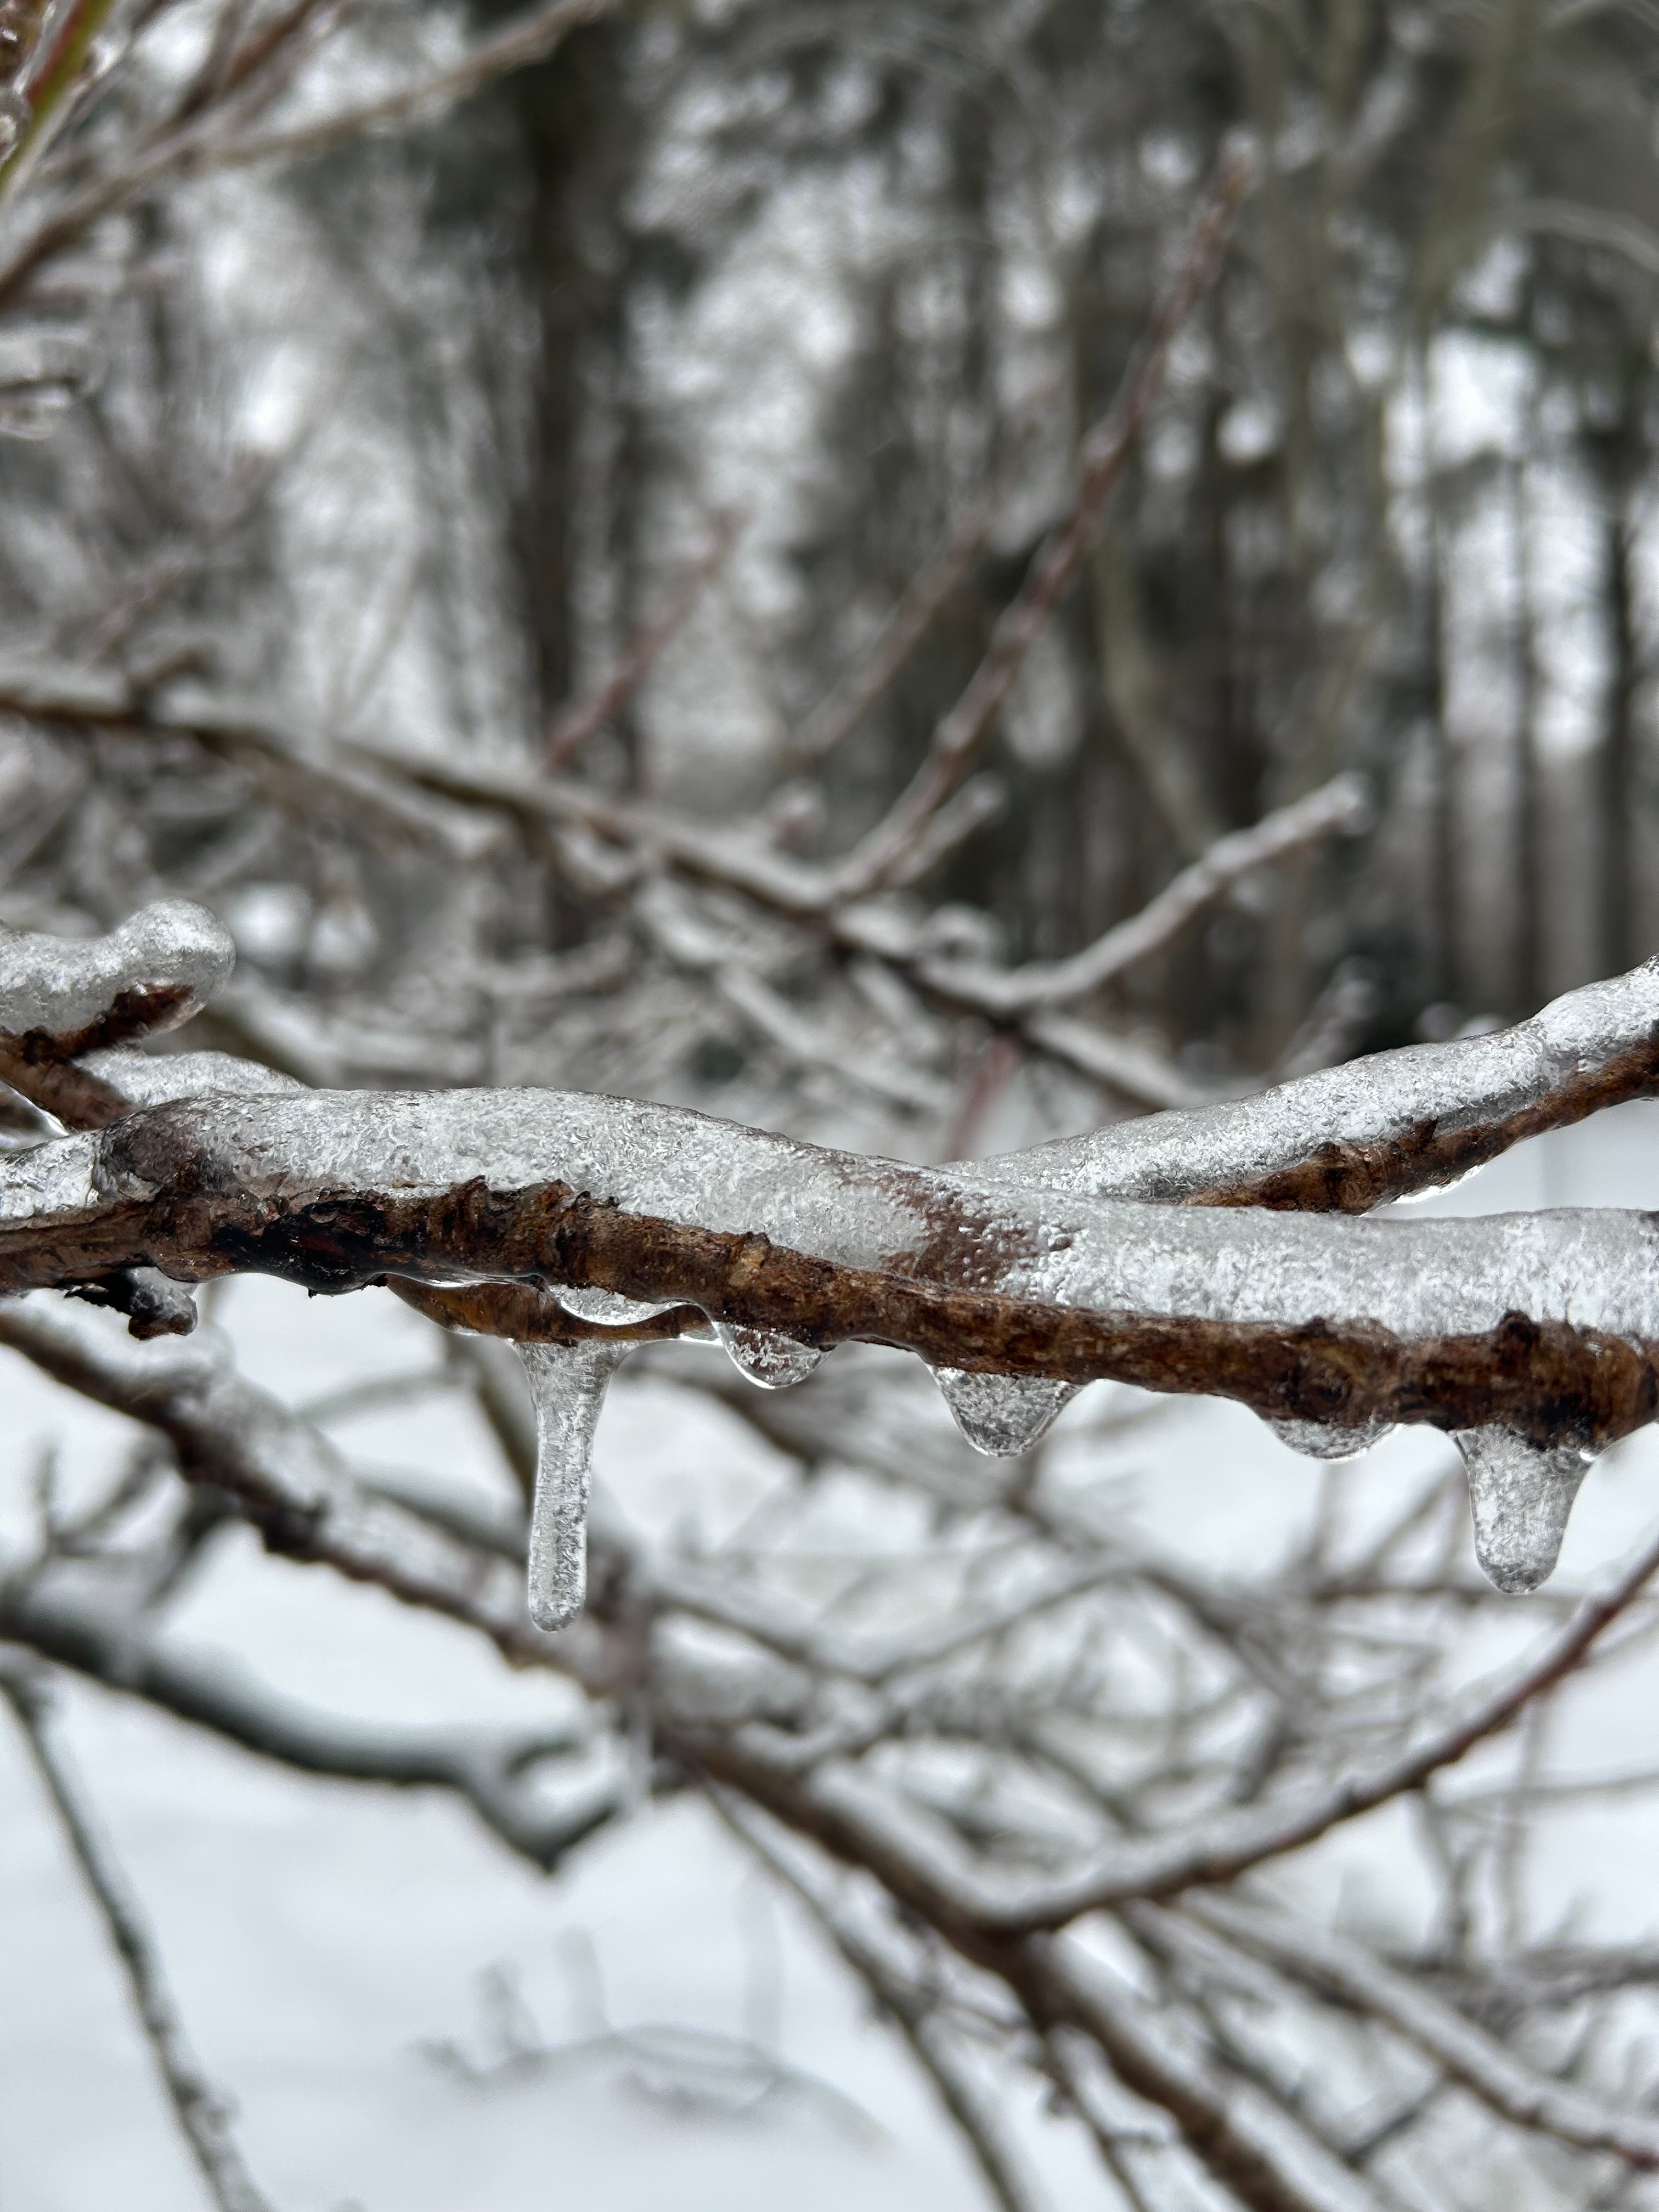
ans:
(49, 1183)
(1002, 1415)
(62, 985)
(151, 1078)
(568, 1384)
(1521, 1497)
(1315, 1440)
(766, 1357)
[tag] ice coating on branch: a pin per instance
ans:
(1002, 1415)
(764, 1357)
(1521, 1497)
(1598, 1268)
(568, 1384)
(55, 1181)
(1315, 1440)
(1389, 1096)
(151, 1078)
(154, 972)
(1420, 1279)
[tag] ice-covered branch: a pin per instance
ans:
(62, 997)
(1535, 1337)
(1543, 1322)
(1346, 1971)
(1348, 1139)
(1336, 808)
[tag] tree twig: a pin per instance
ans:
(1106, 453)
(203, 2114)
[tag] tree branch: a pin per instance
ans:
(492, 1773)
(1504, 2083)
(295, 1186)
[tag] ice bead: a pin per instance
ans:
(1521, 1497)
(774, 1362)
(1320, 1440)
(1002, 1415)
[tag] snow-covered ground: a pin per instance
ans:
(320, 1935)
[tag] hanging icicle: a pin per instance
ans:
(568, 1384)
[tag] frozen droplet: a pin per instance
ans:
(609, 1308)
(1521, 1496)
(1321, 1440)
(567, 1387)
(775, 1362)
(1002, 1415)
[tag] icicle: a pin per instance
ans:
(1002, 1415)
(1521, 1497)
(1319, 1440)
(567, 1387)
(775, 1362)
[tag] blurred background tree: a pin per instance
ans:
(414, 436)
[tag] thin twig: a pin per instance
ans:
(202, 2114)
(1106, 453)
(586, 717)
(835, 717)
(913, 2012)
